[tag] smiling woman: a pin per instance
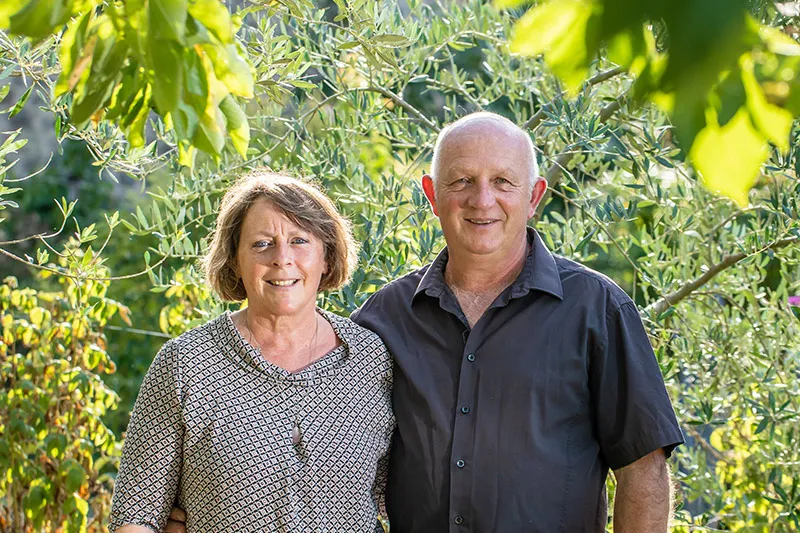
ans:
(276, 417)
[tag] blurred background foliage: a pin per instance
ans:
(103, 239)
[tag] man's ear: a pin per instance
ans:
(539, 188)
(429, 188)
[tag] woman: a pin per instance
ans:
(276, 417)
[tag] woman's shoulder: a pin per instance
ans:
(199, 339)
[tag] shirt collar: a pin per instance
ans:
(539, 273)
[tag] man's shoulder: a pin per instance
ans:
(582, 282)
(395, 294)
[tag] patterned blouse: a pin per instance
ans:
(243, 445)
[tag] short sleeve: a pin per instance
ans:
(633, 413)
(150, 468)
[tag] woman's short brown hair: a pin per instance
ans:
(303, 203)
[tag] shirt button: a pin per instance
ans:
(465, 409)
(460, 463)
(471, 357)
(458, 520)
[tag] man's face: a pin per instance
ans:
(483, 194)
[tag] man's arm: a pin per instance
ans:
(643, 500)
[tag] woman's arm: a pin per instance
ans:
(129, 528)
(152, 455)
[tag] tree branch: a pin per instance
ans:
(600, 77)
(728, 261)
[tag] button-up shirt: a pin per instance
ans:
(512, 425)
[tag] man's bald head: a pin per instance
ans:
(478, 122)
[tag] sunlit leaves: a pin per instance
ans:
(54, 441)
(728, 157)
(712, 66)
(177, 57)
(565, 31)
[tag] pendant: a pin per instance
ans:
(296, 435)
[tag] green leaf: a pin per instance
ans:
(565, 31)
(7, 9)
(772, 121)
(72, 55)
(165, 56)
(210, 134)
(39, 18)
(238, 128)
(231, 68)
(20, 103)
(167, 19)
(55, 444)
(214, 16)
(508, 4)
(729, 157)
(391, 40)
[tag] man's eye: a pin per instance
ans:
(503, 181)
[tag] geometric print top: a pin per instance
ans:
(212, 431)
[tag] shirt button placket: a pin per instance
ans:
(460, 481)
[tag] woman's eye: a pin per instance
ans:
(260, 244)
(299, 240)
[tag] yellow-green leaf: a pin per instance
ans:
(231, 68)
(774, 122)
(165, 56)
(210, 134)
(39, 18)
(215, 17)
(729, 158)
(8, 8)
(565, 31)
(167, 19)
(73, 62)
(238, 128)
(508, 4)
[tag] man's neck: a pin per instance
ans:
(485, 273)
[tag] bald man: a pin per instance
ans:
(521, 377)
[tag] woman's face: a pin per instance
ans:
(280, 263)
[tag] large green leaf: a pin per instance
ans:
(39, 18)
(8, 8)
(238, 128)
(774, 122)
(231, 68)
(71, 53)
(167, 19)
(166, 59)
(214, 16)
(565, 31)
(729, 157)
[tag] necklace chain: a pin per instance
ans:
(296, 433)
(312, 346)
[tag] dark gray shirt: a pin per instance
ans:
(511, 426)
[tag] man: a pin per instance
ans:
(520, 377)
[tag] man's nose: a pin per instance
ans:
(482, 196)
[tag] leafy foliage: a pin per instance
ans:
(119, 60)
(363, 90)
(56, 454)
(728, 83)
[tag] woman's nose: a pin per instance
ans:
(282, 255)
